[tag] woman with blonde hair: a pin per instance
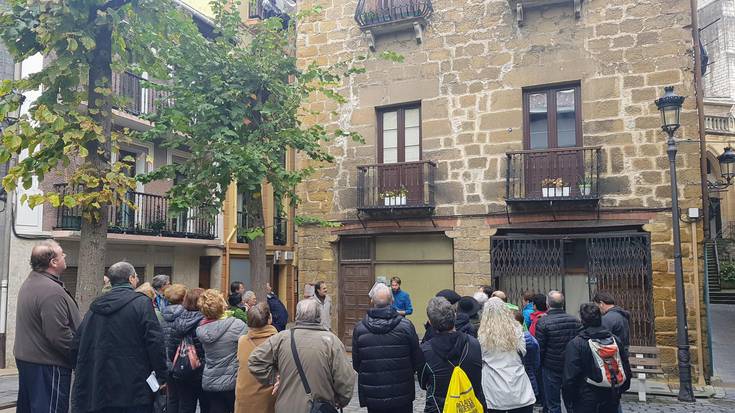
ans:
(148, 291)
(219, 338)
(505, 383)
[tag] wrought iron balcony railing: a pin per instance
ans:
(149, 217)
(407, 185)
(553, 174)
(719, 125)
(137, 99)
(280, 229)
(371, 13)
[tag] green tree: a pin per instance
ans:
(69, 127)
(238, 107)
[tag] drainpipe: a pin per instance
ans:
(226, 276)
(699, 92)
(697, 308)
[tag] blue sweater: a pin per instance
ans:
(402, 302)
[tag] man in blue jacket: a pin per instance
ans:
(401, 299)
(278, 310)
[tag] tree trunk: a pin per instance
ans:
(93, 242)
(259, 273)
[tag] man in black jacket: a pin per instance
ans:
(553, 332)
(278, 310)
(117, 346)
(448, 348)
(583, 381)
(385, 354)
(614, 319)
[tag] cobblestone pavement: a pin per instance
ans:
(8, 389)
(630, 405)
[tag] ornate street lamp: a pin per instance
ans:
(727, 171)
(670, 107)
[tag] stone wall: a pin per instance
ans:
(469, 73)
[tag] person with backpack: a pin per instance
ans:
(539, 310)
(174, 295)
(505, 383)
(451, 357)
(186, 370)
(385, 354)
(250, 395)
(219, 337)
(596, 367)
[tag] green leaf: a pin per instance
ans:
(54, 200)
(72, 44)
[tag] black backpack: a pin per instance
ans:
(186, 361)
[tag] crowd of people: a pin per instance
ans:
(166, 347)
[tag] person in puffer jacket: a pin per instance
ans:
(174, 295)
(219, 339)
(189, 390)
(385, 354)
(581, 368)
(531, 360)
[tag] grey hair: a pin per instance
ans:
(480, 297)
(555, 299)
(120, 272)
(247, 296)
(159, 281)
(259, 315)
(441, 314)
(309, 311)
(382, 295)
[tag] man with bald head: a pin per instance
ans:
(385, 354)
(47, 319)
(553, 332)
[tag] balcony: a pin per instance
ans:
(265, 9)
(377, 17)
(396, 188)
(719, 125)
(149, 217)
(280, 229)
(521, 6)
(137, 99)
(550, 176)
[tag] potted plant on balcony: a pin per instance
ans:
(395, 198)
(554, 188)
(585, 186)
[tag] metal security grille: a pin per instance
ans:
(621, 265)
(523, 263)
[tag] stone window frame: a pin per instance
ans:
(401, 108)
(551, 90)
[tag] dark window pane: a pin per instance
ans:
(539, 122)
(566, 119)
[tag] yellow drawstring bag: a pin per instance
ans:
(460, 395)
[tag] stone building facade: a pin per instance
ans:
(517, 144)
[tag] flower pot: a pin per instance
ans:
(394, 200)
(585, 190)
(547, 192)
(565, 191)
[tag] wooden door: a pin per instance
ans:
(355, 283)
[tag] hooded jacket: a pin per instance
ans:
(219, 340)
(504, 380)
(580, 365)
(462, 323)
(385, 354)
(553, 332)
(185, 325)
(116, 347)
(170, 313)
(617, 321)
(250, 395)
(278, 312)
(442, 353)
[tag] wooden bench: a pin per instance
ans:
(644, 361)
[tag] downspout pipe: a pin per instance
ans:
(699, 92)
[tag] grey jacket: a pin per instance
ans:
(325, 363)
(47, 318)
(219, 339)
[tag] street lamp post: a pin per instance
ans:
(670, 107)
